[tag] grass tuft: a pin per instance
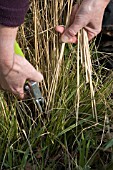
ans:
(65, 137)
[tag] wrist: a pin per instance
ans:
(7, 40)
(105, 2)
(101, 4)
(7, 37)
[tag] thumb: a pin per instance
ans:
(69, 35)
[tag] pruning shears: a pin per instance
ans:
(31, 87)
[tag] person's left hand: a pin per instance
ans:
(88, 15)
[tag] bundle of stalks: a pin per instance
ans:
(54, 83)
(83, 54)
(69, 138)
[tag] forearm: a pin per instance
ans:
(105, 2)
(12, 12)
(7, 34)
(7, 40)
(11, 16)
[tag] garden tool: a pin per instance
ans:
(31, 87)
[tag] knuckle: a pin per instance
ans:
(96, 32)
(71, 31)
(21, 96)
(99, 30)
(79, 22)
(17, 90)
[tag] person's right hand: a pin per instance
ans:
(88, 15)
(13, 75)
(14, 69)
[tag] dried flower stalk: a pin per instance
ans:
(84, 54)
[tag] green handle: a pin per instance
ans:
(18, 50)
(31, 86)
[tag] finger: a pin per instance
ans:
(73, 13)
(35, 75)
(92, 32)
(19, 92)
(60, 29)
(32, 73)
(91, 35)
(71, 32)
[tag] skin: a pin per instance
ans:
(14, 69)
(88, 15)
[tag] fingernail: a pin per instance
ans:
(64, 39)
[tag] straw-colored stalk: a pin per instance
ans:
(83, 54)
(49, 56)
(54, 83)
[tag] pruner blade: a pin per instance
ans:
(33, 88)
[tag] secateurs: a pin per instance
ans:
(31, 87)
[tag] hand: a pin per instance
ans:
(88, 15)
(14, 69)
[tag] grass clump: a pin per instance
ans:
(58, 139)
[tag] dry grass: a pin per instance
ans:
(68, 136)
(48, 52)
(83, 54)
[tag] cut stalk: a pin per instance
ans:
(83, 47)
